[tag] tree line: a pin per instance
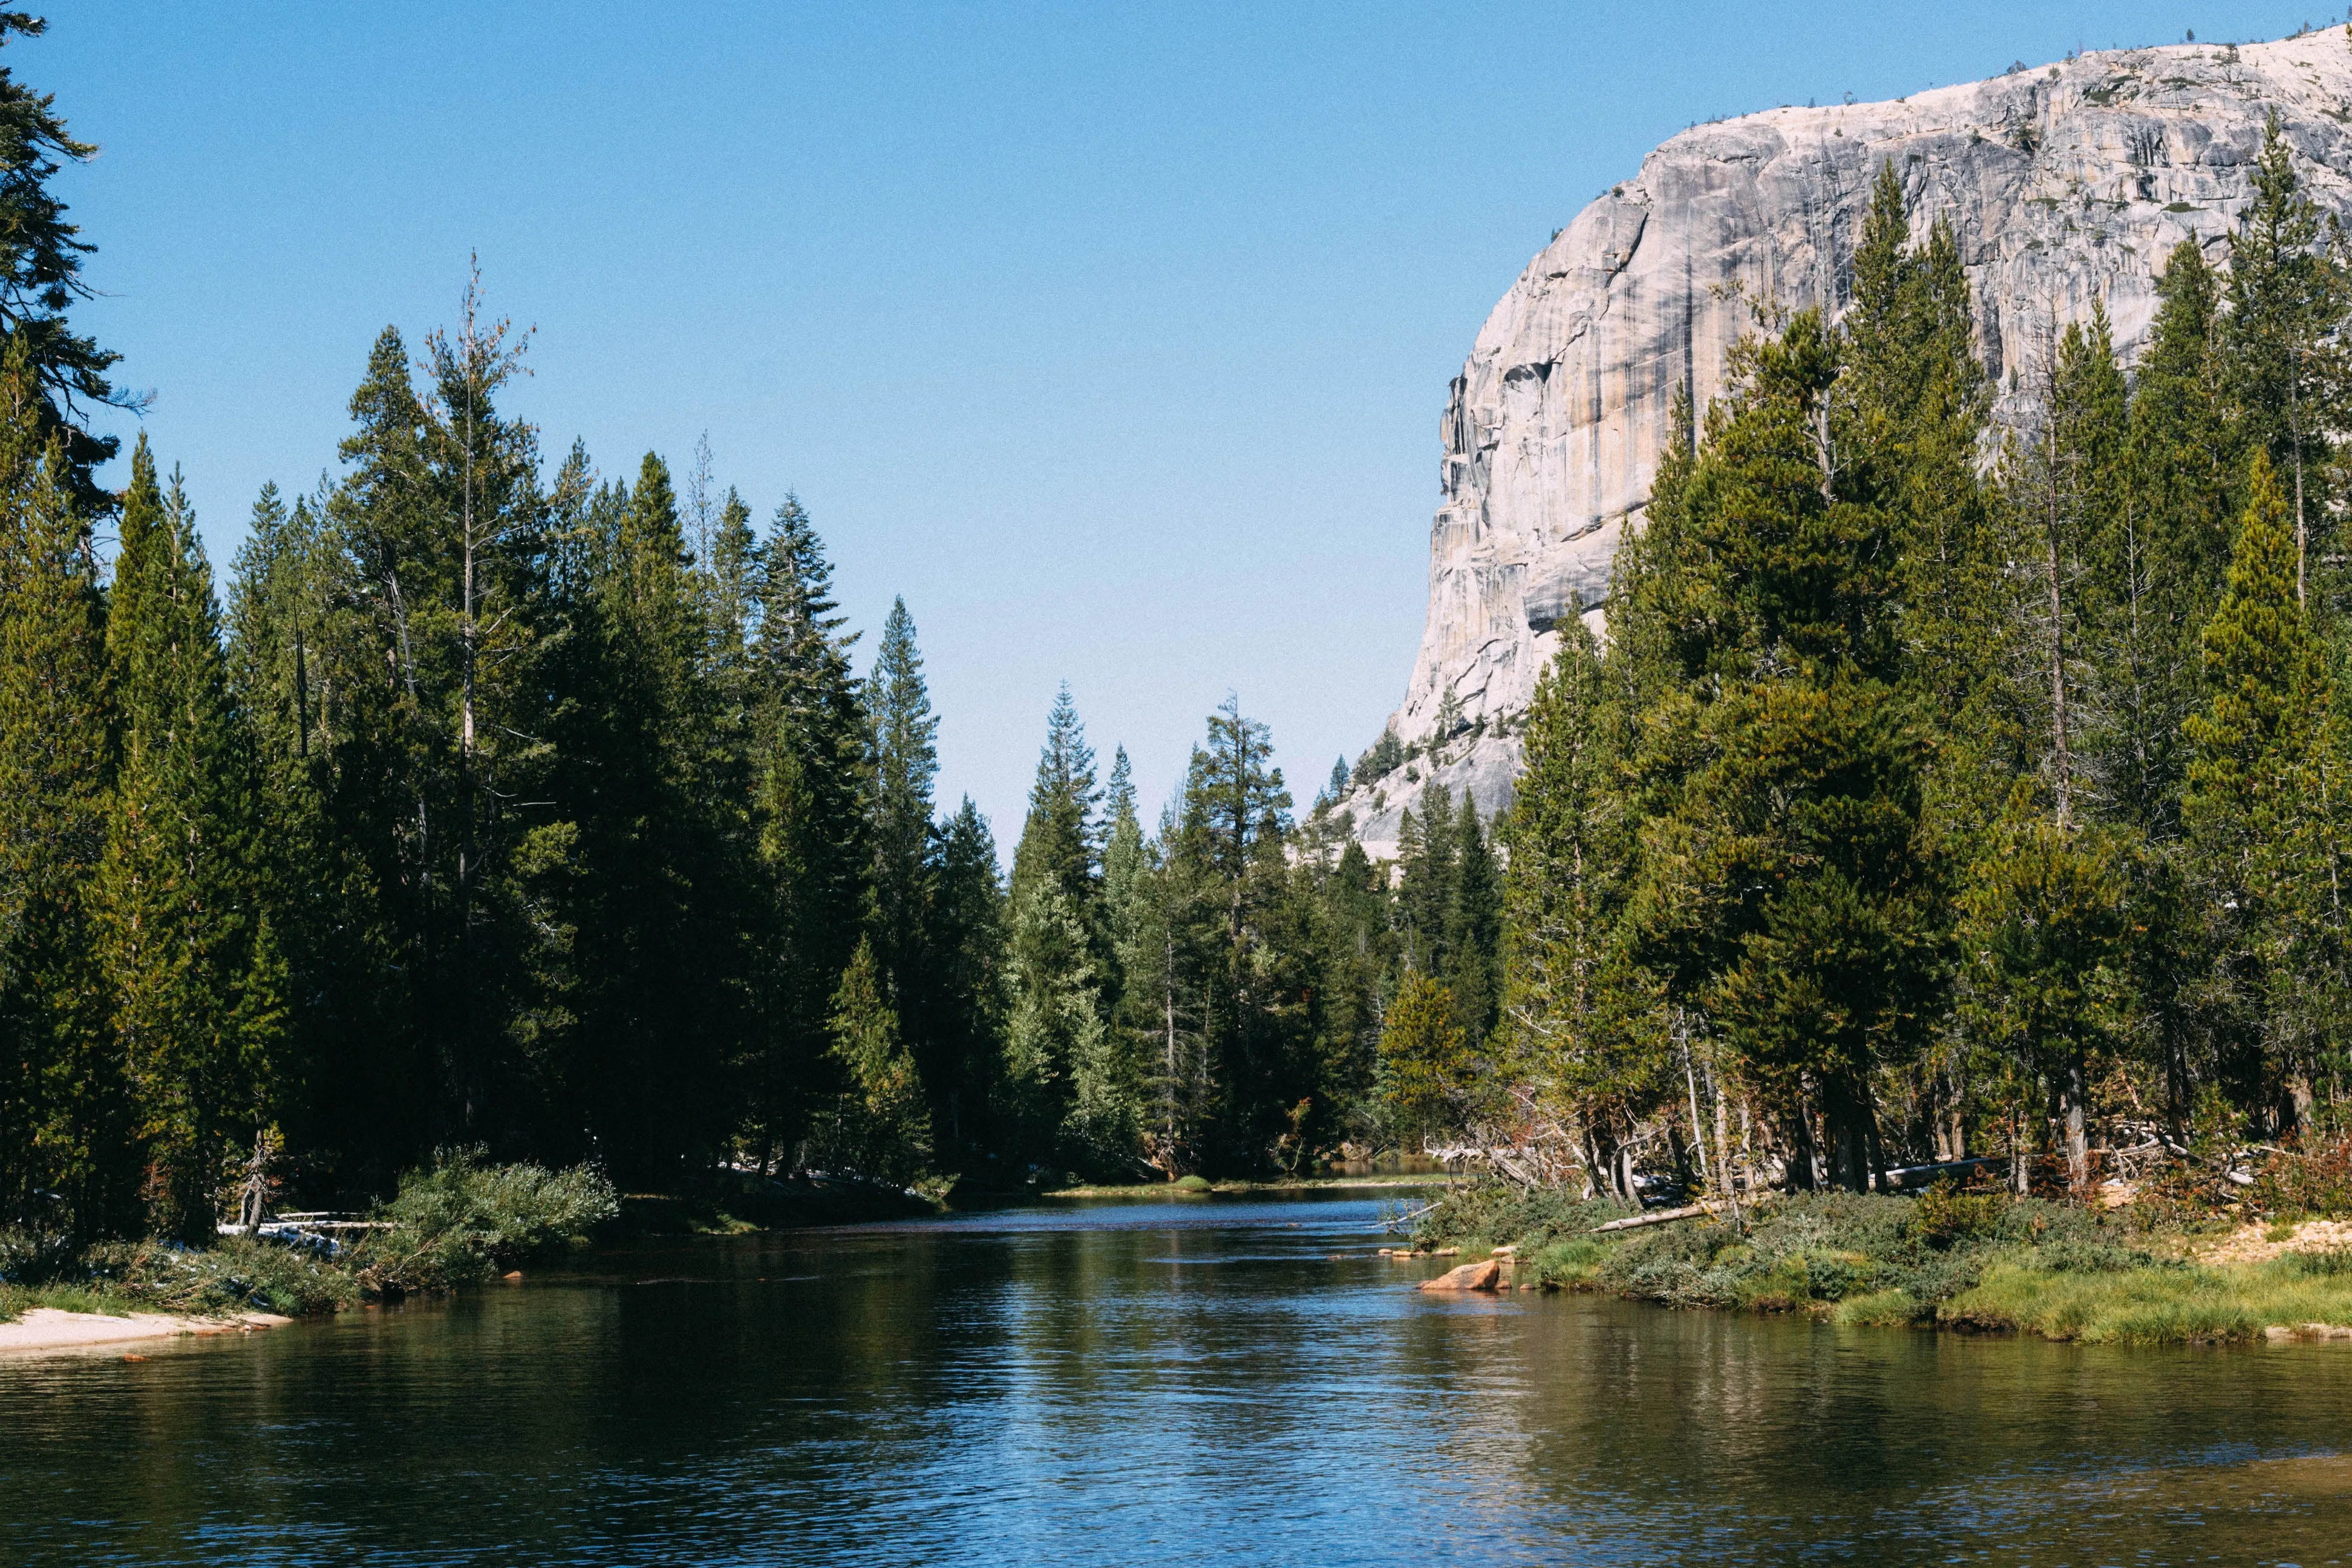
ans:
(500, 801)
(1963, 769)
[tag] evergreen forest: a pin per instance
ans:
(1956, 773)
(1963, 769)
(491, 800)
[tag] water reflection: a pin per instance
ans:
(1121, 1384)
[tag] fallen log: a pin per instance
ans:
(1662, 1217)
(1909, 1178)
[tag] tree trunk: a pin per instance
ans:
(2073, 1093)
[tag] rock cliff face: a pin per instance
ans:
(2064, 183)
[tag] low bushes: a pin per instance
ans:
(463, 1218)
(1981, 1260)
(460, 1219)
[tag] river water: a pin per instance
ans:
(1201, 1382)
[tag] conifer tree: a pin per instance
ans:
(2289, 297)
(40, 279)
(2254, 794)
(2173, 550)
(880, 1128)
(65, 1113)
(1057, 840)
(1427, 1074)
(810, 760)
(1428, 850)
(2046, 925)
(968, 955)
(1790, 900)
(656, 982)
(1473, 926)
(190, 963)
(307, 678)
(1228, 854)
(1577, 1012)
(905, 761)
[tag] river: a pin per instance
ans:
(1116, 1383)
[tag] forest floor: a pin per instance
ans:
(1969, 1261)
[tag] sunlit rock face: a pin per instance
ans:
(2064, 183)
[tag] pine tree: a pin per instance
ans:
(880, 1128)
(1474, 927)
(41, 278)
(2047, 921)
(1427, 1075)
(1227, 855)
(1577, 1015)
(1057, 840)
(2289, 298)
(306, 678)
(905, 761)
(967, 942)
(2173, 550)
(810, 762)
(1428, 848)
(1788, 899)
(66, 1114)
(189, 962)
(2258, 756)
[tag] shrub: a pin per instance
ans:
(1944, 1216)
(462, 1218)
(2309, 1183)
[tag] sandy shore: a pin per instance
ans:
(48, 1329)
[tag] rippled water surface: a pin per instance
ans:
(1150, 1383)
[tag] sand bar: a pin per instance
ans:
(48, 1329)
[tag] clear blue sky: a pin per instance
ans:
(1113, 337)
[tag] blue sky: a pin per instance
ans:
(1113, 337)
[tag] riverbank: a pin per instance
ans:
(55, 1329)
(459, 1221)
(1980, 1262)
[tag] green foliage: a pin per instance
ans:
(41, 279)
(1945, 1217)
(1427, 1074)
(67, 1118)
(879, 1129)
(197, 1002)
(462, 1217)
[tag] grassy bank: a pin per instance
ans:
(1965, 1260)
(461, 1220)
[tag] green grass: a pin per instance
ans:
(16, 1300)
(1979, 1261)
(2152, 1306)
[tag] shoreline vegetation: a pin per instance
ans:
(461, 1220)
(2138, 1268)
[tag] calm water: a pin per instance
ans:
(1165, 1384)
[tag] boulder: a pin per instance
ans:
(1487, 1276)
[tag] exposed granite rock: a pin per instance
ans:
(2064, 183)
